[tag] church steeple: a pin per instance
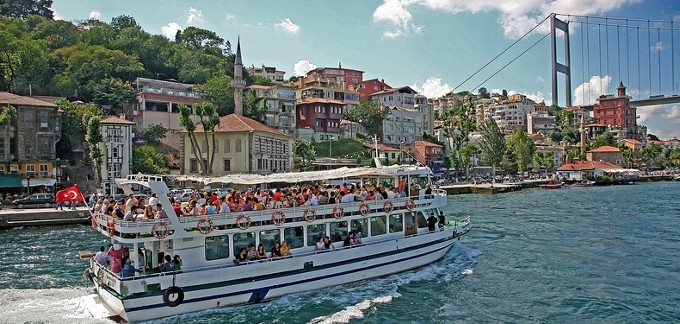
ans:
(237, 83)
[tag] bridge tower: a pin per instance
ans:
(565, 68)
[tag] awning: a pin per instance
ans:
(10, 181)
(39, 182)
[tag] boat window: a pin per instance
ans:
(216, 247)
(294, 236)
(378, 225)
(314, 232)
(243, 241)
(339, 231)
(396, 223)
(269, 237)
(422, 220)
(360, 225)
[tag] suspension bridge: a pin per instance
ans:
(604, 51)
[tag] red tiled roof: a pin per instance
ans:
(605, 149)
(383, 147)
(632, 141)
(426, 144)
(321, 100)
(7, 98)
(587, 165)
(238, 123)
(116, 120)
(49, 99)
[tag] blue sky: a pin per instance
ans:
(433, 44)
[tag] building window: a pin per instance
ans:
(44, 147)
(28, 149)
(29, 120)
(227, 146)
(193, 165)
(216, 146)
(2, 147)
(14, 169)
(44, 119)
(204, 146)
(227, 165)
(239, 146)
(30, 170)
(216, 247)
(43, 170)
(2, 169)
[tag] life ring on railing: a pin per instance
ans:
(310, 215)
(410, 204)
(205, 226)
(278, 218)
(338, 212)
(160, 230)
(243, 222)
(94, 221)
(112, 227)
(387, 206)
(173, 296)
(364, 209)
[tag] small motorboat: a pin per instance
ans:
(552, 185)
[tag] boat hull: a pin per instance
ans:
(350, 265)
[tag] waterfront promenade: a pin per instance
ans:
(15, 217)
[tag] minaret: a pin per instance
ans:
(583, 133)
(237, 83)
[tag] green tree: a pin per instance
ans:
(145, 159)
(522, 147)
(113, 92)
(466, 154)
(305, 150)
(492, 144)
(649, 154)
(457, 124)
(605, 139)
(208, 120)
(198, 38)
(22, 61)
(544, 160)
(153, 134)
(24, 8)
(483, 93)
(94, 137)
(254, 107)
(370, 115)
(675, 157)
(8, 114)
(220, 91)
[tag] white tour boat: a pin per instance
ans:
(396, 238)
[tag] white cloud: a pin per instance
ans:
(229, 16)
(288, 25)
(301, 67)
(94, 14)
(587, 93)
(432, 87)
(170, 30)
(540, 79)
(56, 15)
(194, 15)
(661, 120)
(516, 17)
(536, 97)
(658, 47)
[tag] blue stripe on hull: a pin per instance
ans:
(253, 292)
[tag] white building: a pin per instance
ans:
(268, 72)
(116, 150)
(540, 123)
(279, 103)
(410, 115)
(512, 113)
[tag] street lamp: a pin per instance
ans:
(28, 183)
(330, 148)
(401, 152)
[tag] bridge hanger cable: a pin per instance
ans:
(658, 54)
(617, 18)
(511, 61)
(673, 60)
(501, 53)
(599, 52)
(618, 50)
(628, 26)
(627, 56)
(606, 37)
(649, 55)
(583, 67)
(638, 65)
(588, 57)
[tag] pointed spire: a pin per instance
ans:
(621, 86)
(238, 51)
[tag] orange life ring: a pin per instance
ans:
(243, 222)
(364, 209)
(160, 230)
(308, 212)
(94, 221)
(205, 226)
(338, 212)
(278, 218)
(112, 227)
(410, 204)
(387, 206)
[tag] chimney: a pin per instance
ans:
(382, 82)
(621, 89)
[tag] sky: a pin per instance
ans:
(435, 45)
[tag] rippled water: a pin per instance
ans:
(602, 254)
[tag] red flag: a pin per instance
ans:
(69, 194)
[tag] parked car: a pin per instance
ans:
(35, 199)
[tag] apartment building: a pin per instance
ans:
(279, 105)
(268, 72)
(116, 150)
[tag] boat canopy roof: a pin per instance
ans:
(293, 177)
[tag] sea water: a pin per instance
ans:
(598, 255)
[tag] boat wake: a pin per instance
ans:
(71, 305)
(351, 312)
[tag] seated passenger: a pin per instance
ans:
(252, 254)
(242, 257)
(276, 250)
(261, 253)
(320, 245)
(431, 222)
(168, 265)
(285, 250)
(357, 238)
(177, 263)
(128, 269)
(442, 219)
(327, 244)
(349, 240)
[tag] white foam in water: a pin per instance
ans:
(467, 272)
(351, 312)
(69, 305)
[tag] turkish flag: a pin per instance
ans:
(69, 194)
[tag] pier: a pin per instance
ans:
(14, 217)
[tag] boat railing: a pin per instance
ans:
(191, 222)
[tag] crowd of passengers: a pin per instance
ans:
(117, 259)
(208, 203)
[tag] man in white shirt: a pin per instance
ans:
(101, 257)
(224, 208)
(153, 201)
(391, 194)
